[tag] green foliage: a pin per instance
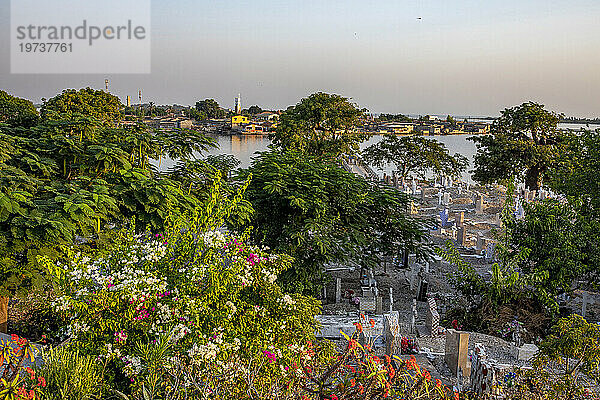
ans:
(551, 233)
(72, 178)
(17, 381)
(571, 357)
(197, 115)
(414, 155)
(393, 118)
(320, 124)
(210, 108)
(318, 213)
(192, 294)
(253, 110)
(576, 172)
(17, 112)
(73, 104)
(71, 375)
(525, 143)
(225, 163)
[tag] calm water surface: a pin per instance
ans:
(244, 148)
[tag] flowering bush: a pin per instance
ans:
(193, 297)
(207, 292)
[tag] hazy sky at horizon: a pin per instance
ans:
(463, 57)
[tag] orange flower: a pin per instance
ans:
(438, 383)
(41, 381)
(456, 396)
(392, 372)
(352, 382)
(359, 327)
(372, 323)
(361, 389)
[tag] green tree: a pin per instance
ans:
(320, 124)
(210, 108)
(197, 115)
(576, 172)
(524, 142)
(318, 213)
(76, 178)
(393, 118)
(72, 104)
(414, 155)
(253, 110)
(555, 238)
(17, 112)
(450, 119)
(571, 356)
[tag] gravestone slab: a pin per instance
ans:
(456, 352)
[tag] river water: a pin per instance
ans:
(244, 147)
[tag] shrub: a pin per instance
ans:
(71, 375)
(151, 304)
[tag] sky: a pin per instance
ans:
(467, 58)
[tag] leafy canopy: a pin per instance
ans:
(72, 104)
(209, 108)
(17, 112)
(524, 142)
(72, 178)
(320, 124)
(414, 155)
(318, 213)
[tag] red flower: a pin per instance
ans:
(41, 381)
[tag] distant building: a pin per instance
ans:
(170, 123)
(238, 104)
(266, 116)
(253, 128)
(397, 127)
(238, 120)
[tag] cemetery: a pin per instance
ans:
(303, 276)
(408, 299)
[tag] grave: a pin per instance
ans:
(461, 236)
(527, 352)
(393, 339)
(368, 305)
(456, 352)
(479, 204)
(432, 321)
(338, 290)
(459, 218)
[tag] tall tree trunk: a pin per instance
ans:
(533, 178)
